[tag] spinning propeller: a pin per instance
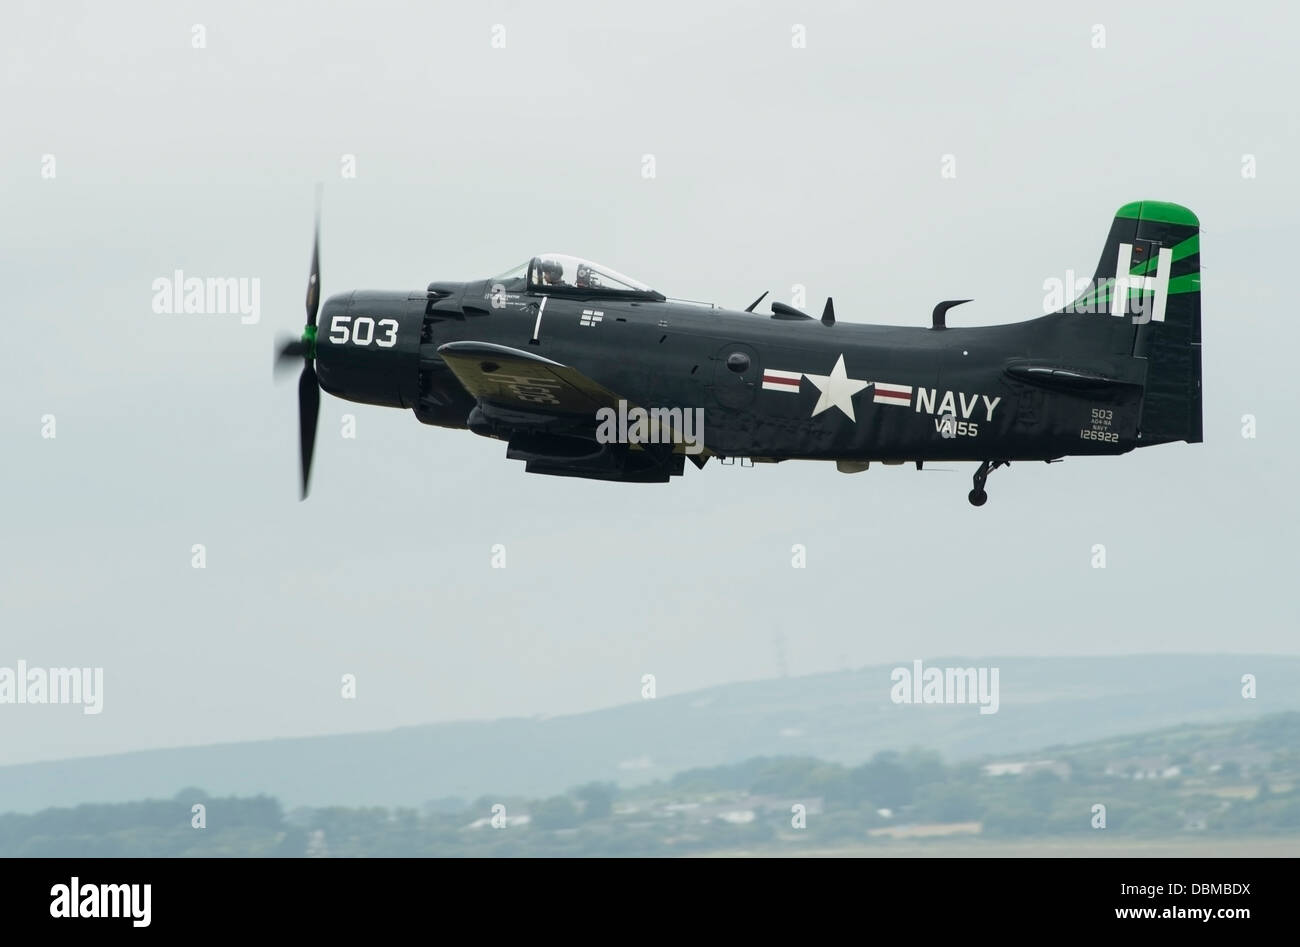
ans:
(305, 348)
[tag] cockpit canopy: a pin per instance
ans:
(560, 273)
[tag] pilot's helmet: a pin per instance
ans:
(551, 271)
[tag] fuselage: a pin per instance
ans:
(903, 393)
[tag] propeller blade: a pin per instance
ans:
(305, 348)
(291, 351)
(308, 412)
(313, 279)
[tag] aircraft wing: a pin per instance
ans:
(518, 379)
(524, 390)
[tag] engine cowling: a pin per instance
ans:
(368, 347)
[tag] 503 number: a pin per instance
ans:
(363, 331)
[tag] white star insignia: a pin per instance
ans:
(837, 390)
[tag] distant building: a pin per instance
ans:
(1143, 767)
(316, 847)
(738, 816)
(1026, 767)
(511, 821)
(739, 809)
(930, 830)
(1248, 759)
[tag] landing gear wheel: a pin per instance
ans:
(977, 496)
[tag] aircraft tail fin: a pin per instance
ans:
(1150, 275)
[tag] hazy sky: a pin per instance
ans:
(774, 166)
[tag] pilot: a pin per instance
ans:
(552, 273)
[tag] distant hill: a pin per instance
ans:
(1232, 787)
(843, 717)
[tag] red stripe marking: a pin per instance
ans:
(774, 380)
